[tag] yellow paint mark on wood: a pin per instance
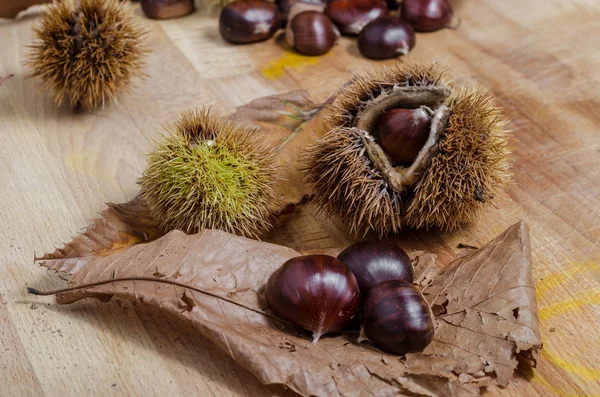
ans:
(554, 280)
(561, 308)
(589, 298)
(276, 69)
(537, 377)
(87, 163)
(577, 369)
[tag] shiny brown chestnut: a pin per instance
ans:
(374, 262)
(351, 16)
(386, 37)
(285, 7)
(427, 15)
(316, 292)
(311, 33)
(403, 132)
(397, 318)
(167, 9)
(249, 21)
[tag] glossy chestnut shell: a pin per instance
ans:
(167, 9)
(373, 262)
(386, 37)
(311, 33)
(249, 21)
(427, 15)
(351, 16)
(285, 7)
(403, 133)
(316, 292)
(396, 318)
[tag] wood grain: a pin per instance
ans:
(540, 58)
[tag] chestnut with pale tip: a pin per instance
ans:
(427, 15)
(386, 37)
(373, 262)
(403, 133)
(311, 33)
(316, 292)
(396, 318)
(167, 9)
(249, 21)
(351, 16)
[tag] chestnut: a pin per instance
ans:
(427, 15)
(373, 262)
(311, 33)
(403, 132)
(285, 7)
(351, 16)
(248, 21)
(166, 9)
(397, 318)
(316, 292)
(386, 37)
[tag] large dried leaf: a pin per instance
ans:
(119, 227)
(486, 300)
(287, 122)
(280, 120)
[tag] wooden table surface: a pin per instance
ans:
(540, 57)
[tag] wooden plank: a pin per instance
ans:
(540, 58)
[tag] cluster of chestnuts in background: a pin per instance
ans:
(312, 27)
(370, 280)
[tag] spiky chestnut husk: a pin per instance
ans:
(87, 51)
(462, 165)
(208, 172)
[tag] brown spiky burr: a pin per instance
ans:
(87, 52)
(462, 164)
(209, 172)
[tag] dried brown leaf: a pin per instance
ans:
(287, 122)
(475, 345)
(119, 227)
(281, 120)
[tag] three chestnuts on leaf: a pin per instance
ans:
(374, 278)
